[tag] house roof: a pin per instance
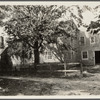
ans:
(84, 30)
(1, 51)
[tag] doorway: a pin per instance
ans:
(97, 57)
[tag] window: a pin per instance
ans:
(84, 55)
(82, 41)
(1, 42)
(48, 55)
(92, 40)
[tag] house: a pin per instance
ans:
(5, 60)
(85, 49)
(47, 57)
(89, 48)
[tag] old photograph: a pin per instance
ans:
(50, 48)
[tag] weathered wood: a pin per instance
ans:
(69, 71)
(73, 63)
(81, 70)
(65, 70)
(43, 64)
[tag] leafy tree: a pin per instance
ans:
(4, 13)
(32, 28)
(32, 25)
(94, 27)
(64, 34)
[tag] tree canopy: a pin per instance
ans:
(35, 26)
(94, 27)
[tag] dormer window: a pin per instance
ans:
(92, 40)
(1, 42)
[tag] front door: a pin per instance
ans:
(97, 57)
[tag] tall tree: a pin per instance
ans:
(33, 25)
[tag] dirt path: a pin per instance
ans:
(51, 86)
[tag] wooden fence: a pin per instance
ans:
(65, 68)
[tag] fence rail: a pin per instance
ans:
(65, 69)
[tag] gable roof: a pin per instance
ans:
(2, 50)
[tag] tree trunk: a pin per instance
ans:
(36, 55)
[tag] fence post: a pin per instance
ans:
(81, 69)
(50, 69)
(65, 65)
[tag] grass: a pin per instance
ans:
(18, 87)
(50, 83)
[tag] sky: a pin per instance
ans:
(66, 3)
